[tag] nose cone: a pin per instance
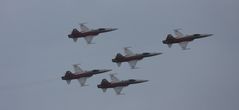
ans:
(154, 54)
(101, 71)
(151, 54)
(208, 35)
(106, 70)
(113, 29)
(140, 81)
(205, 35)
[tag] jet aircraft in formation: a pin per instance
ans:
(181, 39)
(81, 75)
(117, 84)
(131, 58)
(88, 34)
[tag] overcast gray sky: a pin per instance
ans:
(36, 52)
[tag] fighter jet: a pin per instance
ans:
(181, 39)
(88, 34)
(131, 58)
(117, 84)
(81, 75)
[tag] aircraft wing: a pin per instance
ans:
(133, 63)
(183, 45)
(82, 81)
(77, 68)
(84, 28)
(89, 39)
(118, 90)
(114, 78)
(128, 52)
(178, 33)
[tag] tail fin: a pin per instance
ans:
(75, 31)
(105, 82)
(119, 55)
(68, 73)
(170, 37)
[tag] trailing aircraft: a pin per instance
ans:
(117, 84)
(81, 75)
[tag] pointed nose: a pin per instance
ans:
(107, 70)
(154, 54)
(141, 81)
(209, 35)
(206, 35)
(113, 29)
(102, 71)
(159, 53)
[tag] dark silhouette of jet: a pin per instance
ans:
(117, 84)
(87, 33)
(181, 39)
(81, 75)
(131, 57)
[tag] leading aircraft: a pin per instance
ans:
(131, 58)
(81, 75)
(182, 39)
(117, 84)
(88, 34)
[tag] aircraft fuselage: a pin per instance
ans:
(105, 84)
(171, 40)
(90, 33)
(126, 59)
(70, 76)
(135, 57)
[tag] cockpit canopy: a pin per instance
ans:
(95, 70)
(146, 53)
(132, 80)
(196, 34)
(101, 29)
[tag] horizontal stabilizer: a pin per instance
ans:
(169, 45)
(68, 81)
(104, 90)
(119, 64)
(75, 39)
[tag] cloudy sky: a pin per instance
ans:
(36, 52)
